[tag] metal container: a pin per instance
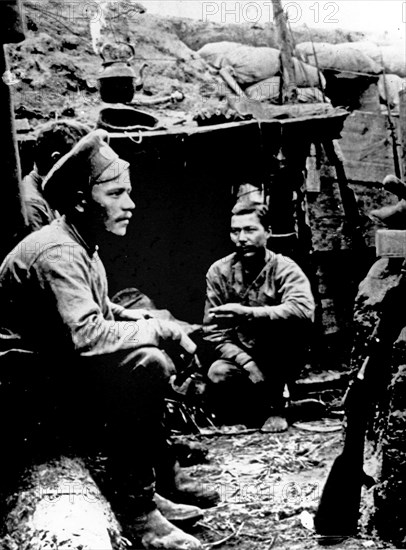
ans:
(123, 118)
(117, 78)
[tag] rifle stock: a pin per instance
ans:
(338, 511)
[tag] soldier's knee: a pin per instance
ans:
(151, 362)
(158, 361)
(219, 372)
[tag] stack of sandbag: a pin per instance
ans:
(348, 61)
(391, 57)
(252, 65)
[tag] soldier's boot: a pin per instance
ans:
(153, 531)
(177, 513)
(175, 485)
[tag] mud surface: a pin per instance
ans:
(270, 485)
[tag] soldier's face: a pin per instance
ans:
(111, 204)
(248, 234)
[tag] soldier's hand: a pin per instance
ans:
(172, 332)
(229, 314)
(135, 314)
(254, 374)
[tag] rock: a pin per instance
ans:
(386, 443)
(388, 515)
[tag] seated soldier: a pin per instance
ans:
(258, 307)
(105, 363)
(54, 140)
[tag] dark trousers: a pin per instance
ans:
(113, 403)
(235, 399)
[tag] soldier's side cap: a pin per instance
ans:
(248, 197)
(85, 164)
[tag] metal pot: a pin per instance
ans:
(117, 79)
(124, 118)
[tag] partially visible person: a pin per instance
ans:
(259, 307)
(54, 139)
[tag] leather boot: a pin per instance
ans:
(153, 531)
(392, 216)
(174, 484)
(177, 513)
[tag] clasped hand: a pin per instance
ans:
(229, 314)
(135, 314)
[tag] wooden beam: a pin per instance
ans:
(402, 130)
(13, 218)
(289, 89)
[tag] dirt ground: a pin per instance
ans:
(270, 485)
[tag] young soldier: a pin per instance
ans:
(258, 307)
(100, 359)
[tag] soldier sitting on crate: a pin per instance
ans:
(104, 364)
(259, 306)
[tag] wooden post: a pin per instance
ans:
(13, 218)
(289, 89)
(347, 194)
(402, 127)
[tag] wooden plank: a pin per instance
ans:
(13, 219)
(329, 123)
(367, 147)
(402, 129)
(367, 172)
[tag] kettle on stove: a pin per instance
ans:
(117, 79)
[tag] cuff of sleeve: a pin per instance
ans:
(261, 312)
(118, 311)
(243, 359)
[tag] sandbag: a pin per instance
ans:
(252, 65)
(393, 85)
(391, 56)
(337, 57)
(215, 52)
(394, 60)
(267, 89)
(307, 76)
